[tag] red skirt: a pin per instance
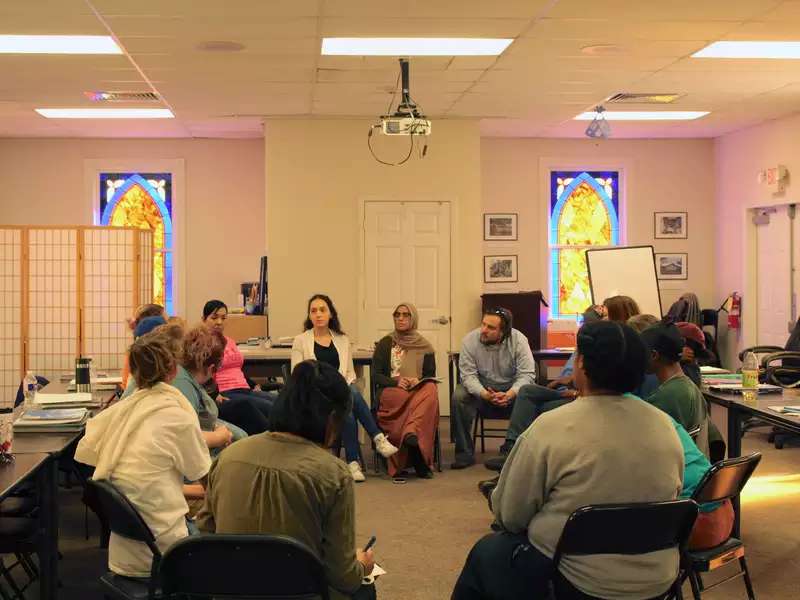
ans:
(401, 413)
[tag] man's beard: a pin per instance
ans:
(487, 342)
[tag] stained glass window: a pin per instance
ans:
(584, 213)
(144, 200)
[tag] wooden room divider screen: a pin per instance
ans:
(66, 291)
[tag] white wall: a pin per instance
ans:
(660, 175)
(739, 157)
(42, 182)
(319, 171)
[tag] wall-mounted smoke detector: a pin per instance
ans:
(122, 96)
(626, 98)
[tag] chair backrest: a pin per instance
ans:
(726, 478)
(782, 368)
(759, 351)
(123, 518)
(242, 566)
(627, 528)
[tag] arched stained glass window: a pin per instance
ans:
(144, 200)
(584, 213)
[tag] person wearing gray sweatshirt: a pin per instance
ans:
(605, 447)
(496, 369)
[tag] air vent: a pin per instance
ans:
(623, 98)
(122, 96)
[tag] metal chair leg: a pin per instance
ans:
(746, 576)
(483, 436)
(695, 587)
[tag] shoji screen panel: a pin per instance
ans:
(145, 260)
(108, 294)
(52, 300)
(10, 314)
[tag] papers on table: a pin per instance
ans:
(101, 383)
(58, 419)
(736, 388)
(83, 399)
(786, 410)
(713, 371)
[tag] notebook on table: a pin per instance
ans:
(736, 388)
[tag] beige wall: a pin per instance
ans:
(42, 182)
(318, 172)
(739, 157)
(660, 175)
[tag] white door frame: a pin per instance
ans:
(749, 330)
(362, 252)
(92, 167)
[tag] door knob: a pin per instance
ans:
(442, 320)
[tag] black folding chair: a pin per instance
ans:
(494, 413)
(125, 521)
(624, 529)
(723, 481)
(242, 566)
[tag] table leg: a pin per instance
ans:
(48, 550)
(450, 380)
(734, 451)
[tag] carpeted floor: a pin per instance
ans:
(426, 528)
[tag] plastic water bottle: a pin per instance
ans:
(750, 379)
(29, 385)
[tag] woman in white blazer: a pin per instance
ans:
(324, 340)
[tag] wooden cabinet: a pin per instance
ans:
(530, 311)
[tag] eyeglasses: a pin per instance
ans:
(401, 315)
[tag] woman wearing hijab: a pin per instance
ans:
(408, 410)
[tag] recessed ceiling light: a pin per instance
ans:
(58, 44)
(750, 50)
(644, 115)
(414, 46)
(106, 113)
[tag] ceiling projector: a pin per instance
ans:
(399, 125)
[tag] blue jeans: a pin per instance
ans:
(360, 414)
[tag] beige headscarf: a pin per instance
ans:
(415, 346)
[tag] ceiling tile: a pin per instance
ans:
(383, 26)
(206, 8)
(684, 10)
(447, 9)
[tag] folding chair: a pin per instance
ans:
(722, 481)
(125, 521)
(624, 529)
(242, 566)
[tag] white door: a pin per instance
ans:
(407, 258)
(774, 277)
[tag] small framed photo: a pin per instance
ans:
(500, 269)
(672, 266)
(500, 227)
(671, 225)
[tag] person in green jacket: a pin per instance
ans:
(677, 395)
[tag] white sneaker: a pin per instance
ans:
(356, 472)
(384, 447)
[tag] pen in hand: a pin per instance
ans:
(370, 543)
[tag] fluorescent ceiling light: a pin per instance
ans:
(106, 113)
(644, 115)
(58, 44)
(414, 46)
(750, 50)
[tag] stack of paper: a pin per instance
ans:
(101, 383)
(736, 388)
(786, 410)
(706, 370)
(81, 400)
(59, 419)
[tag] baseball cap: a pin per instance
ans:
(690, 331)
(664, 339)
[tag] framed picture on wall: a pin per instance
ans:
(500, 269)
(671, 225)
(500, 227)
(674, 265)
